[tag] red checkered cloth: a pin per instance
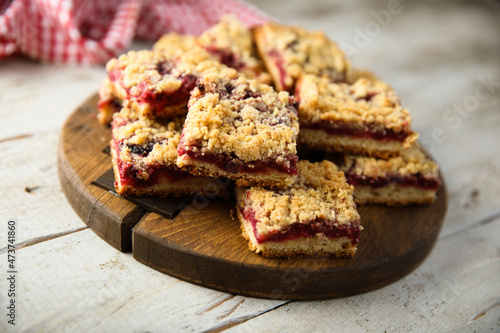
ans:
(93, 31)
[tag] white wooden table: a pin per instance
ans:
(443, 59)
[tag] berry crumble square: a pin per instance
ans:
(316, 216)
(289, 51)
(230, 42)
(144, 152)
(173, 43)
(240, 129)
(411, 178)
(363, 118)
(153, 82)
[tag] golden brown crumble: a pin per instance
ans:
(319, 192)
(232, 39)
(105, 103)
(189, 57)
(142, 67)
(238, 116)
(411, 162)
(229, 34)
(197, 62)
(174, 43)
(298, 51)
(364, 102)
(146, 67)
(140, 75)
(131, 130)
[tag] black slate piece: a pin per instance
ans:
(167, 207)
(107, 150)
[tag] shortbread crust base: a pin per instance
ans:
(114, 91)
(270, 179)
(320, 140)
(296, 248)
(210, 187)
(393, 195)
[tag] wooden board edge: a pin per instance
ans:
(85, 201)
(281, 284)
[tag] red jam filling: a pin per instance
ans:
(278, 62)
(297, 230)
(357, 132)
(225, 57)
(160, 101)
(113, 104)
(415, 181)
(129, 174)
(231, 164)
(115, 74)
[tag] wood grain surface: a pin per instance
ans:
(203, 244)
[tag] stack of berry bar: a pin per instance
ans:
(364, 117)
(232, 44)
(154, 82)
(229, 42)
(365, 121)
(411, 178)
(351, 112)
(196, 114)
(240, 129)
(289, 52)
(315, 216)
(144, 152)
(244, 130)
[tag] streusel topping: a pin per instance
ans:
(146, 141)
(174, 43)
(147, 67)
(411, 162)
(364, 101)
(160, 71)
(229, 34)
(238, 116)
(302, 51)
(320, 192)
(197, 61)
(188, 56)
(234, 42)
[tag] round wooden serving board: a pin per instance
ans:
(203, 244)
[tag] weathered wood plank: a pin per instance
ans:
(30, 191)
(470, 161)
(78, 283)
(37, 98)
(31, 195)
(80, 265)
(456, 289)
